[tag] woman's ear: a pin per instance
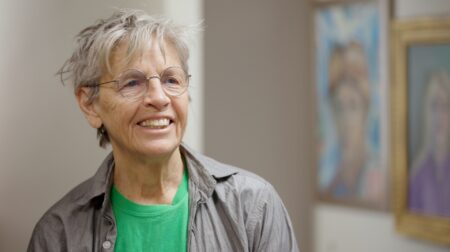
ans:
(88, 107)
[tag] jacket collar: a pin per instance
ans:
(203, 172)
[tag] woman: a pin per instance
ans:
(357, 174)
(429, 187)
(153, 193)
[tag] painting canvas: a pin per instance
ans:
(420, 129)
(429, 129)
(349, 82)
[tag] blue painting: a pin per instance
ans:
(349, 88)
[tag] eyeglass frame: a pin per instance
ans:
(116, 80)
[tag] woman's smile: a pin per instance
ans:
(156, 126)
(155, 123)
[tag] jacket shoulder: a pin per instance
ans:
(50, 232)
(221, 170)
(265, 218)
(248, 186)
(76, 197)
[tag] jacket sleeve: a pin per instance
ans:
(269, 227)
(48, 235)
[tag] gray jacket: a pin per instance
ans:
(229, 210)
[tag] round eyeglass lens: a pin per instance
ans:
(132, 84)
(174, 81)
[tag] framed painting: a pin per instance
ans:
(421, 128)
(350, 76)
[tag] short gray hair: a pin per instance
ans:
(95, 44)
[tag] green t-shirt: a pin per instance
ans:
(152, 227)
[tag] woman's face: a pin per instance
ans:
(350, 111)
(438, 113)
(152, 126)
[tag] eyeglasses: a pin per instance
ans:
(133, 84)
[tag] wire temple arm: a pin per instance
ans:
(99, 84)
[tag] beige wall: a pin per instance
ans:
(258, 100)
(46, 147)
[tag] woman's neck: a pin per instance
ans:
(148, 181)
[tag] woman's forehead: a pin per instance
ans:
(155, 54)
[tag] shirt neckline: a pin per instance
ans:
(121, 203)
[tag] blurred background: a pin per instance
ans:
(253, 106)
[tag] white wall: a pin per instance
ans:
(342, 229)
(46, 147)
(419, 8)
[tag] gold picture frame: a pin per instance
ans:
(408, 37)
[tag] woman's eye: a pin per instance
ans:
(171, 81)
(131, 83)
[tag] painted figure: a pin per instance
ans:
(357, 175)
(429, 180)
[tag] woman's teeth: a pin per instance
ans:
(155, 124)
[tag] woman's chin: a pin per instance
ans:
(160, 148)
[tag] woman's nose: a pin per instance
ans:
(155, 95)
